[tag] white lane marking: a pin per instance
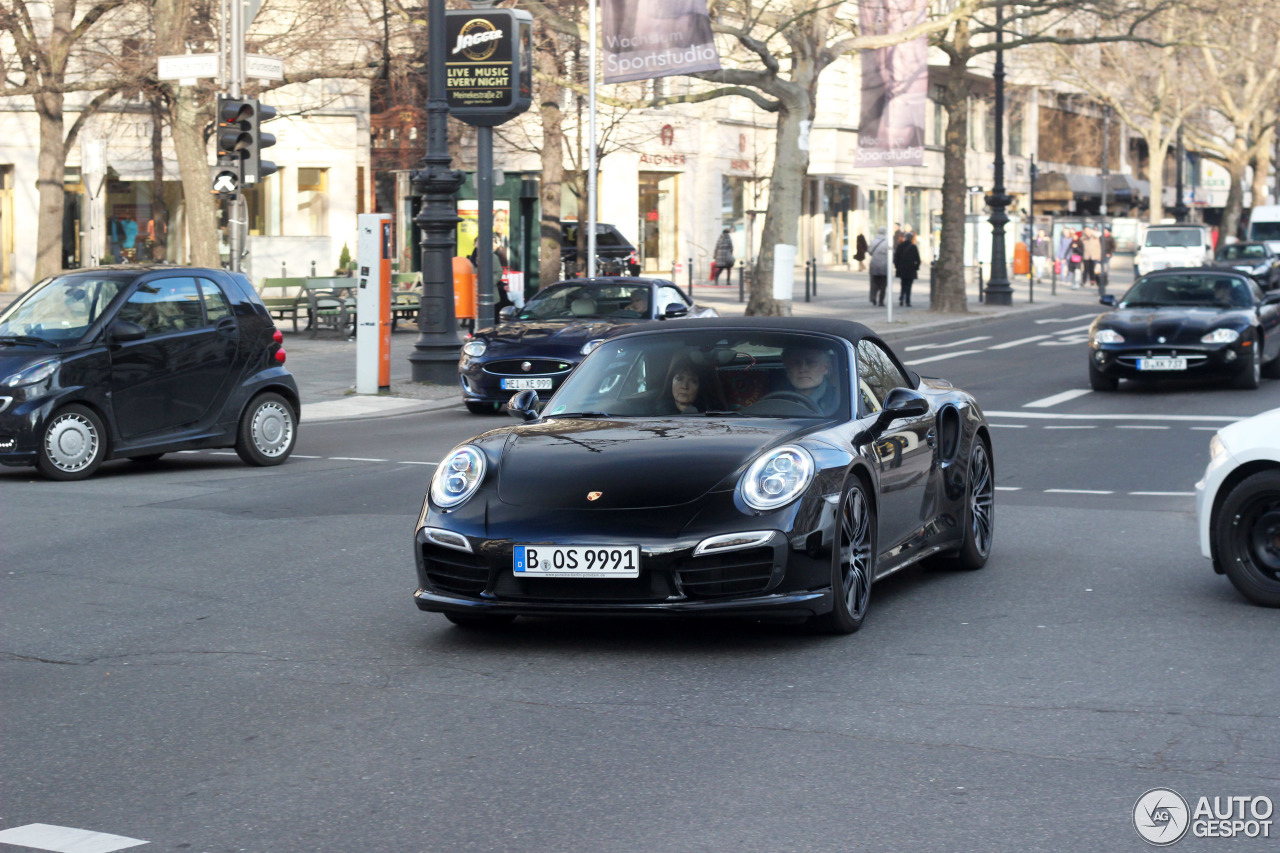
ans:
(303, 456)
(1206, 429)
(355, 459)
(1059, 416)
(1099, 492)
(1009, 426)
(1020, 342)
(1077, 492)
(189, 451)
(1165, 494)
(1046, 402)
(1066, 341)
(410, 462)
(1068, 319)
(1008, 488)
(66, 839)
(1073, 426)
(941, 357)
(951, 344)
(223, 453)
(1142, 426)
(1072, 331)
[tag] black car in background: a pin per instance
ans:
(754, 466)
(1196, 322)
(139, 361)
(1258, 260)
(614, 253)
(535, 347)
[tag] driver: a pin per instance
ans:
(1224, 293)
(639, 302)
(808, 370)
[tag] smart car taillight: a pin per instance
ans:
(280, 356)
(277, 336)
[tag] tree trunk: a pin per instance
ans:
(551, 93)
(1231, 213)
(193, 163)
(1262, 165)
(1157, 152)
(948, 272)
(782, 216)
(159, 215)
(49, 184)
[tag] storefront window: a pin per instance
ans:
(837, 207)
(313, 201)
(911, 207)
(877, 208)
(659, 221)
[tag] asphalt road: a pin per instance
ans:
(208, 657)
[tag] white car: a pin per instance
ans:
(1167, 246)
(1238, 506)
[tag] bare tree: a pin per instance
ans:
(54, 62)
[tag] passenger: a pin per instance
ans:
(809, 372)
(639, 304)
(689, 390)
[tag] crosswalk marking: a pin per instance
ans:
(1020, 342)
(66, 839)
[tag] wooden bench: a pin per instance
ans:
(330, 303)
(283, 297)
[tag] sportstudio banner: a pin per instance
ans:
(644, 39)
(895, 87)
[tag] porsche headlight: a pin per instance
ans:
(474, 348)
(777, 478)
(1216, 447)
(457, 477)
(1108, 336)
(1221, 336)
(38, 372)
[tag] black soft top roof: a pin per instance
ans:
(845, 329)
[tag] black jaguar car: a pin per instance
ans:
(139, 361)
(1258, 260)
(1190, 322)
(766, 467)
(535, 347)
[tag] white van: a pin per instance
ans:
(1264, 225)
(1164, 246)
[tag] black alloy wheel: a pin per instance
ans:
(853, 563)
(1100, 381)
(72, 445)
(268, 431)
(1247, 535)
(1250, 376)
(980, 510)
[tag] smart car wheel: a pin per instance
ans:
(1247, 535)
(853, 563)
(73, 445)
(980, 509)
(1250, 377)
(267, 431)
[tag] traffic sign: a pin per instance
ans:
(226, 178)
(186, 66)
(263, 67)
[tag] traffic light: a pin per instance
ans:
(255, 168)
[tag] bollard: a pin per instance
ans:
(981, 294)
(741, 291)
(806, 281)
(284, 271)
(313, 269)
(691, 278)
(814, 261)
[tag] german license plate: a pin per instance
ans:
(523, 384)
(577, 561)
(1162, 363)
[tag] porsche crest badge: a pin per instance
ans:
(594, 496)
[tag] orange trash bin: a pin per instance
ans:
(1021, 259)
(464, 289)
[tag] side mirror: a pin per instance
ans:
(675, 309)
(123, 331)
(524, 405)
(508, 313)
(1108, 300)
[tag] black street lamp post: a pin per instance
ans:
(999, 290)
(435, 353)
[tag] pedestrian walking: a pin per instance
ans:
(1108, 249)
(1075, 257)
(879, 252)
(1041, 254)
(723, 258)
(1092, 255)
(906, 264)
(860, 252)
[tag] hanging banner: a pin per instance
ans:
(644, 39)
(895, 87)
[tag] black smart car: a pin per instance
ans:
(138, 361)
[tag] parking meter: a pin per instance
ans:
(373, 303)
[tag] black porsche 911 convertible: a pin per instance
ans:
(767, 467)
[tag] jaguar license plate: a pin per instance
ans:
(577, 561)
(524, 384)
(1162, 363)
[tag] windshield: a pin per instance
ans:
(589, 300)
(1174, 237)
(1238, 251)
(62, 309)
(1207, 291)
(707, 372)
(1264, 231)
